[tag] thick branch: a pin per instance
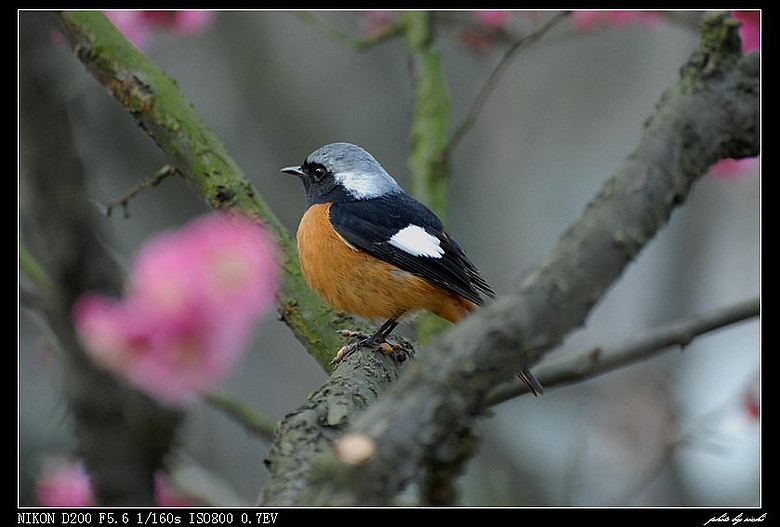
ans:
(160, 108)
(711, 113)
(308, 432)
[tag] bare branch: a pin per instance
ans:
(255, 423)
(598, 361)
(492, 81)
(146, 183)
(390, 31)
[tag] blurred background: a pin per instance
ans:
(682, 429)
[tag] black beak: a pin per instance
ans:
(295, 171)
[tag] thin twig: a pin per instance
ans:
(598, 361)
(492, 81)
(387, 33)
(256, 424)
(146, 183)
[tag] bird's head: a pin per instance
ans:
(342, 172)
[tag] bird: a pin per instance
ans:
(369, 248)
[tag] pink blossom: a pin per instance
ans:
(132, 25)
(65, 485)
(215, 260)
(586, 20)
(732, 169)
(475, 40)
(752, 399)
(480, 40)
(138, 26)
(374, 22)
(193, 297)
(750, 30)
(165, 496)
(494, 19)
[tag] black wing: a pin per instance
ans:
(369, 224)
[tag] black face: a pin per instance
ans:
(319, 184)
(316, 172)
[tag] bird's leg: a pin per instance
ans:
(530, 380)
(364, 339)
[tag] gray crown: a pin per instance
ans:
(358, 172)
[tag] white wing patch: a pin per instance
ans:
(414, 240)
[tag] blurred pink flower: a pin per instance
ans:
(165, 496)
(750, 30)
(64, 485)
(586, 20)
(732, 169)
(138, 26)
(194, 294)
(480, 40)
(752, 399)
(221, 260)
(494, 19)
(374, 22)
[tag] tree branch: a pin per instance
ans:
(390, 31)
(711, 113)
(308, 432)
(146, 183)
(598, 361)
(428, 135)
(492, 82)
(255, 423)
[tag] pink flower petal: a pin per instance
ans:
(586, 20)
(132, 25)
(374, 22)
(732, 169)
(494, 19)
(193, 298)
(752, 399)
(750, 30)
(65, 485)
(165, 496)
(137, 26)
(189, 22)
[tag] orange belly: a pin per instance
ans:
(354, 281)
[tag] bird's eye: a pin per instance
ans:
(319, 174)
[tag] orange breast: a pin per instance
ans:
(354, 281)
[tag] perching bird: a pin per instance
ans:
(369, 248)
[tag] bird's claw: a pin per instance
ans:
(346, 350)
(351, 334)
(398, 352)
